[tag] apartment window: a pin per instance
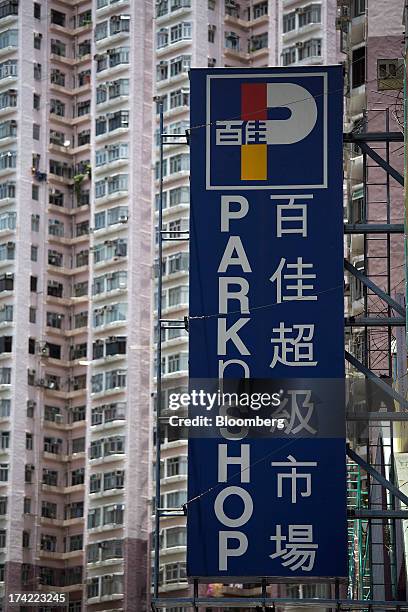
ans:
(8, 69)
(162, 38)
(260, 41)
(310, 14)
(55, 289)
(81, 319)
(34, 253)
(77, 476)
(37, 71)
(95, 481)
(50, 477)
(55, 320)
(118, 56)
(180, 64)
(74, 510)
(358, 67)
(7, 251)
(52, 445)
(176, 536)
(6, 284)
(29, 441)
(120, 119)
(57, 107)
(175, 572)
(260, 9)
(100, 126)
(178, 263)
(7, 220)
(36, 101)
(114, 480)
(5, 405)
(58, 18)
(27, 505)
(35, 192)
(101, 30)
(180, 31)
(115, 379)
(211, 33)
(58, 48)
(78, 413)
(113, 515)
(28, 473)
(311, 48)
(119, 23)
(26, 540)
(55, 258)
(179, 163)
(35, 223)
(176, 466)
(180, 97)
(49, 542)
(289, 22)
(78, 445)
(97, 383)
(4, 470)
(3, 538)
(76, 542)
(37, 10)
(4, 440)
(32, 314)
(37, 40)
(8, 99)
(3, 506)
(232, 41)
(83, 108)
(48, 510)
(84, 48)
(80, 289)
(358, 8)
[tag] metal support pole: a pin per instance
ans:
(405, 174)
(377, 476)
(159, 369)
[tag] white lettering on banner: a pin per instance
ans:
(227, 213)
(296, 419)
(224, 551)
(286, 221)
(243, 461)
(224, 461)
(225, 294)
(238, 521)
(298, 348)
(297, 289)
(299, 551)
(294, 476)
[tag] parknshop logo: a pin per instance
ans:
(275, 118)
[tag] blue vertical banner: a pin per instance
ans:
(267, 311)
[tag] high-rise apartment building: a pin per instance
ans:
(75, 316)
(213, 33)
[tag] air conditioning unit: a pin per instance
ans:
(123, 218)
(59, 418)
(299, 44)
(31, 404)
